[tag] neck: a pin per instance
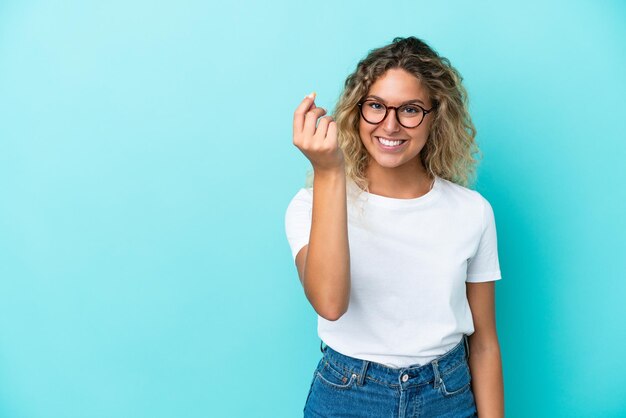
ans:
(405, 182)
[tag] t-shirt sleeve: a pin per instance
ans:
(298, 220)
(484, 265)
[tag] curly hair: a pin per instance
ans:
(450, 147)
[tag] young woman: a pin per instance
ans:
(395, 253)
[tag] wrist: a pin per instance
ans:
(329, 173)
(329, 178)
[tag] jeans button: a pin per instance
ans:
(405, 377)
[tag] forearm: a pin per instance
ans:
(327, 272)
(487, 382)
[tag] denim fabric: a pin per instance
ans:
(344, 386)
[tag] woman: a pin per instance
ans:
(396, 255)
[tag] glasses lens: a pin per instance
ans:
(373, 111)
(410, 115)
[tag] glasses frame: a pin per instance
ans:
(388, 108)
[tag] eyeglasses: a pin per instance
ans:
(408, 115)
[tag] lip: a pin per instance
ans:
(391, 149)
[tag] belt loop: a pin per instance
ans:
(467, 351)
(363, 371)
(435, 365)
(321, 345)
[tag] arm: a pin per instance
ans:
(485, 361)
(324, 264)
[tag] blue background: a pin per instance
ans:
(146, 162)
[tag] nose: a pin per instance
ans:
(390, 123)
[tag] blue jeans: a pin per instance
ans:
(344, 386)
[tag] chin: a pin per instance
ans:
(386, 163)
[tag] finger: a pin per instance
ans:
(322, 127)
(305, 105)
(331, 132)
(310, 119)
(313, 96)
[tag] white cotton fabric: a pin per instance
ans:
(409, 261)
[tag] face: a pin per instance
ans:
(395, 88)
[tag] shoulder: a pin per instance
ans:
(302, 199)
(305, 193)
(471, 202)
(462, 194)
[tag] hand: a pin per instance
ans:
(318, 144)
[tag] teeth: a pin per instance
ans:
(389, 143)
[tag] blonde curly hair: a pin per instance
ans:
(450, 147)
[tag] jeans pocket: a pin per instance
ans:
(456, 380)
(334, 376)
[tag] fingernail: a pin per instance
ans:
(312, 96)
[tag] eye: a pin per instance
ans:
(411, 109)
(375, 105)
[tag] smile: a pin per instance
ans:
(390, 144)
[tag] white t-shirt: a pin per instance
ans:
(409, 261)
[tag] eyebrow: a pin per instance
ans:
(401, 104)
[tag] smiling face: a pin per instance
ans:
(396, 87)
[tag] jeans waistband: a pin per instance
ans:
(406, 376)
